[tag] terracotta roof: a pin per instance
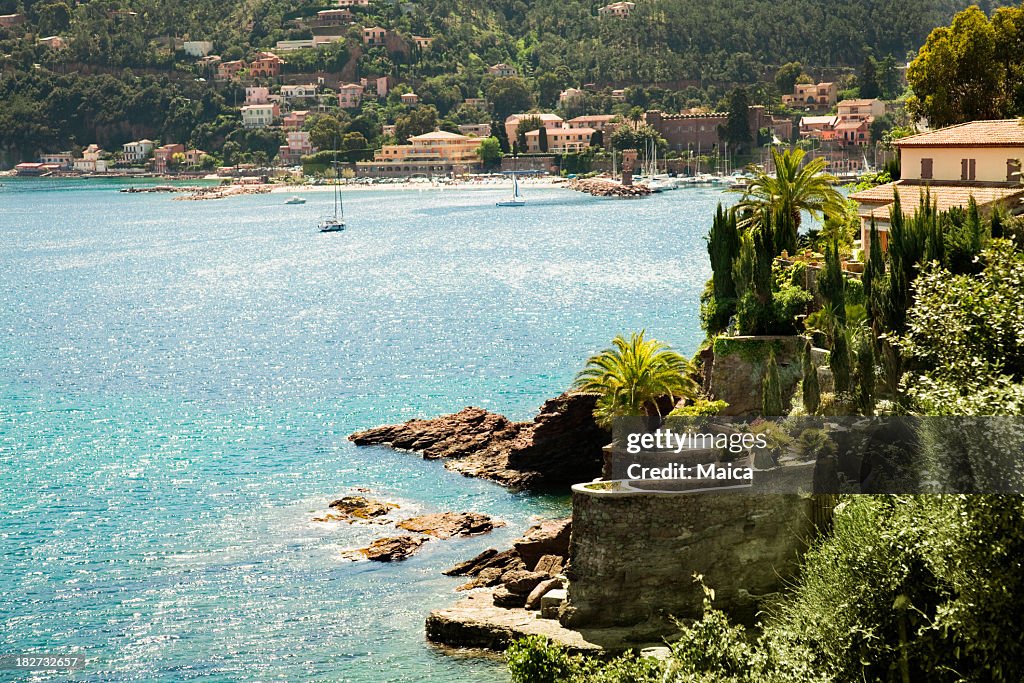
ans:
(943, 196)
(856, 103)
(996, 133)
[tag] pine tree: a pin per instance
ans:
(771, 389)
(810, 385)
(737, 126)
(868, 81)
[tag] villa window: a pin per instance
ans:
(1013, 170)
(926, 169)
(967, 169)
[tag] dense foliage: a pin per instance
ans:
(120, 78)
(972, 69)
(905, 588)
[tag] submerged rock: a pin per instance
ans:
(448, 524)
(560, 447)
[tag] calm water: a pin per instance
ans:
(177, 380)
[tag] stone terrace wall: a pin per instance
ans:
(737, 370)
(632, 556)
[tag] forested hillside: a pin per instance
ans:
(116, 77)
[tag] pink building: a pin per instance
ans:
(374, 36)
(164, 156)
(333, 17)
(295, 120)
(257, 94)
(350, 95)
(193, 157)
(298, 146)
(267, 65)
(228, 70)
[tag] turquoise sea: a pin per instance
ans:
(177, 381)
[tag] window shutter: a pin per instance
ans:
(926, 169)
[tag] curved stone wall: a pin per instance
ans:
(632, 556)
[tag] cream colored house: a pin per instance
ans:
(259, 115)
(981, 159)
(619, 10)
(434, 153)
(812, 96)
(560, 140)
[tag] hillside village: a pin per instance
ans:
(351, 84)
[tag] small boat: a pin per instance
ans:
(335, 223)
(517, 199)
(295, 199)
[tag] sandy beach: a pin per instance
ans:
(422, 185)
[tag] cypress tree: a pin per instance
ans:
(839, 360)
(832, 284)
(996, 228)
(874, 270)
(771, 389)
(723, 249)
(866, 376)
(542, 139)
(498, 131)
(811, 388)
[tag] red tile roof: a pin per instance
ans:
(999, 133)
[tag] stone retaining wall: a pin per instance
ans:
(632, 556)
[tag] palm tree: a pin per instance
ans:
(632, 375)
(790, 191)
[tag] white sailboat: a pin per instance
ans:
(335, 223)
(517, 199)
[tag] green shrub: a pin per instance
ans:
(535, 659)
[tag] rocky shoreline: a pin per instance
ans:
(560, 447)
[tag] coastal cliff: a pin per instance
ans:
(560, 447)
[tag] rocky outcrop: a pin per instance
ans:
(549, 538)
(392, 549)
(359, 507)
(560, 447)
(448, 524)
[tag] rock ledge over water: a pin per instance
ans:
(561, 446)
